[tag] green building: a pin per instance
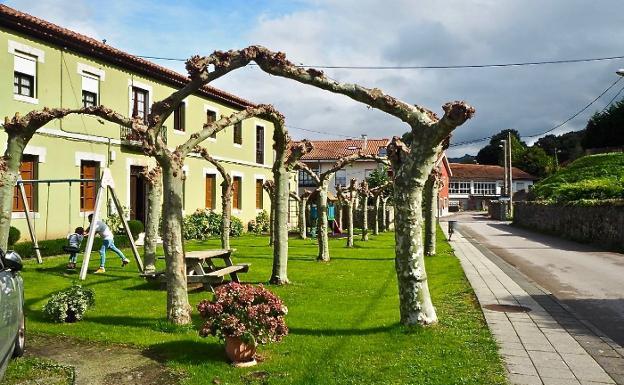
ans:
(50, 66)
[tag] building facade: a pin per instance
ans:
(50, 66)
(327, 152)
(472, 186)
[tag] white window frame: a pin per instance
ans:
(178, 132)
(217, 117)
(79, 156)
(259, 123)
(263, 178)
(98, 79)
(242, 177)
(485, 188)
(144, 87)
(242, 141)
(336, 177)
(463, 187)
(29, 53)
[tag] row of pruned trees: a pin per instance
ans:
(412, 158)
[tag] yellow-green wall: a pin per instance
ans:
(59, 84)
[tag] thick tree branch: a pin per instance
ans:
(296, 151)
(347, 160)
(204, 154)
(302, 166)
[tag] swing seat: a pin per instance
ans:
(71, 249)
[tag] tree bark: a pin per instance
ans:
(303, 225)
(339, 214)
(430, 196)
(323, 239)
(350, 205)
(384, 217)
(8, 177)
(154, 208)
(226, 207)
(178, 308)
(376, 228)
(365, 192)
(279, 206)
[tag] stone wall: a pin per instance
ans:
(602, 224)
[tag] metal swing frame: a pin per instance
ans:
(105, 182)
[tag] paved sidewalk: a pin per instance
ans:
(535, 347)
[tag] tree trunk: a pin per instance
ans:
(303, 226)
(154, 208)
(323, 240)
(272, 220)
(431, 219)
(415, 301)
(350, 209)
(339, 214)
(8, 178)
(226, 208)
(376, 228)
(178, 308)
(279, 207)
(384, 218)
(365, 218)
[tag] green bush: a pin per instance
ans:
(259, 225)
(55, 246)
(14, 235)
(113, 221)
(136, 227)
(204, 223)
(70, 304)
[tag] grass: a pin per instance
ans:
(343, 319)
(26, 371)
(590, 177)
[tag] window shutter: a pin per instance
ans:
(91, 84)
(26, 65)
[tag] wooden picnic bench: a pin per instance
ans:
(201, 268)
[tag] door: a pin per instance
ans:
(138, 194)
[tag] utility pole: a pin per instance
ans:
(504, 147)
(509, 169)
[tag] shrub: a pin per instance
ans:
(251, 313)
(70, 304)
(14, 235)
(205, 223)
(136, 227)
(114, 221)
(236, 227)
(260, 224)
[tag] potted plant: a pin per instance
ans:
(243, 316)
(70, 304)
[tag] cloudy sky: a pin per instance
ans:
(530, 99)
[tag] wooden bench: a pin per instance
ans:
(200, 268)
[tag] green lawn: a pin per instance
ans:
(343, 319)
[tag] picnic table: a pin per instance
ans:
(201, 268)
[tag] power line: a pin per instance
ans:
(320, 132)
(612, 99)
(556, 126)
(430, 67)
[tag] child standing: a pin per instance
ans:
(108, 242)
(74, 240)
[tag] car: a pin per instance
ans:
(12, 320)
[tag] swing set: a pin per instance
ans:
(104, 183)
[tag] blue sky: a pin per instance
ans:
(390, 32)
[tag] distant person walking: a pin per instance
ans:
(108, 242)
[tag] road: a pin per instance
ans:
(588, 280)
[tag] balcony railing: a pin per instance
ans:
(130, 138)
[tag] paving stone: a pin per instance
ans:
(559, 373)
(520, 379)
(560, 381)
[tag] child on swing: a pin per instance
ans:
(73, 246)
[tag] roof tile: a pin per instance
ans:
(485, 172)
(336, 149)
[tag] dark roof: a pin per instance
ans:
(63, 37)
(336, 149)
(486, 172)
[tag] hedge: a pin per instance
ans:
(53, 247)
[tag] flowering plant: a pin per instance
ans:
(251, 313)
(70, 304)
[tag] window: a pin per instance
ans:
(28, 170)
(179, 117)
(211, 190)
(211, 117)
(260, 144)
(24, 75)
(519, 186)
(341, 177)
(259, 194)
(236, 192)
(88, 190)
(140, 100)
(90, 89)
(238, 133)
(459, 188)
(485, 188)
(305, 180)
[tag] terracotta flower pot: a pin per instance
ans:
(240, 352)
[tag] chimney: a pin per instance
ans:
(365, 139)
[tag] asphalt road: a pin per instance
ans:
(588, 280)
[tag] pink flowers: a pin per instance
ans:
(250, 312)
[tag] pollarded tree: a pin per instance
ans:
(364, 192)
(269, 187)
(378, 193)
(227, 189)
(322, 184)
(412, 158)
(430, 196)
(302, 203)
(348, 196)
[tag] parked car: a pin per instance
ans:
(12, 321)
